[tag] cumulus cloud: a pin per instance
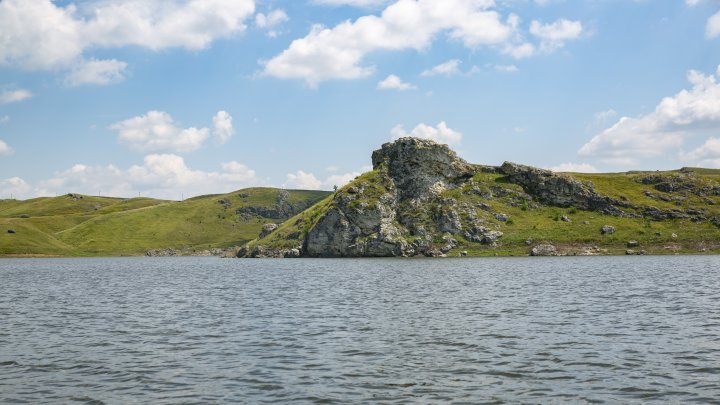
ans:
(157, 131)
(448, 68)
(553, 36)
(520, 51)
(338, 52)
(14, 187)
(5, 149)
(160, 175)
(13, 96)
(271, 20)
(688, 112)
(712, 29)
(99, 72)
(4, 119)
(708, 154)
(44, 35)
(302, 180)
(440, 133)
(222, 126)
(353, 3)
(392, 82)
(308, 181)
(574, 168)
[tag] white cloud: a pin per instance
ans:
(712, 29)
(676, 117)
(520, 51)
(14, 187)
(4, 119)
(95, 71)
(303, 181)
(506, 68)
(222, 126)
(339, 180)
(5, 149)
(448, 68)
(353, 3)
(553, 36)
(36, 34)
(308, 181)
(574, 168)
(440, 133)
(160, 176)
(271, 19)
(393, 82)
(692, 3)
(13, 96)
(156, 131)
(706, 155)
(338, 53)
(40, 34)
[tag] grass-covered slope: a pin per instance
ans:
(75, 225)
(664, 212)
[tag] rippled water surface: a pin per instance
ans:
(189, 330)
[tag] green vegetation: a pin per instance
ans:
(75, 225)
(526, 222)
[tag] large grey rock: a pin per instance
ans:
(420, 167)
(544, 249)
(560, 190)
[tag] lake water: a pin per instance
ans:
(496, 330)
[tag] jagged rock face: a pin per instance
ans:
(560, 190)
(282, 209)
(353, 227)
(421, 168)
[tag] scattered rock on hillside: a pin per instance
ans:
(11, 231)
(633, 244)
(607, 229)
(544, 249)
(282, 209)
(267, 230)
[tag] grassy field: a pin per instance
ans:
(74, 225)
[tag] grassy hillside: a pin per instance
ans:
(75, 225)
(488, 198)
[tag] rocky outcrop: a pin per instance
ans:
(422, 199)
(560, 190)
(267, 230)
(421, 168)
(282, 209)
(359, 226)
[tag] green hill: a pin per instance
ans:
(421, 199)
(80, 225)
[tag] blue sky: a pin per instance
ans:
(186, 97)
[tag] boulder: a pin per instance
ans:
(633, 244)
(544, 249)
(607, 230)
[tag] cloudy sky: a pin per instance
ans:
(172, 98)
